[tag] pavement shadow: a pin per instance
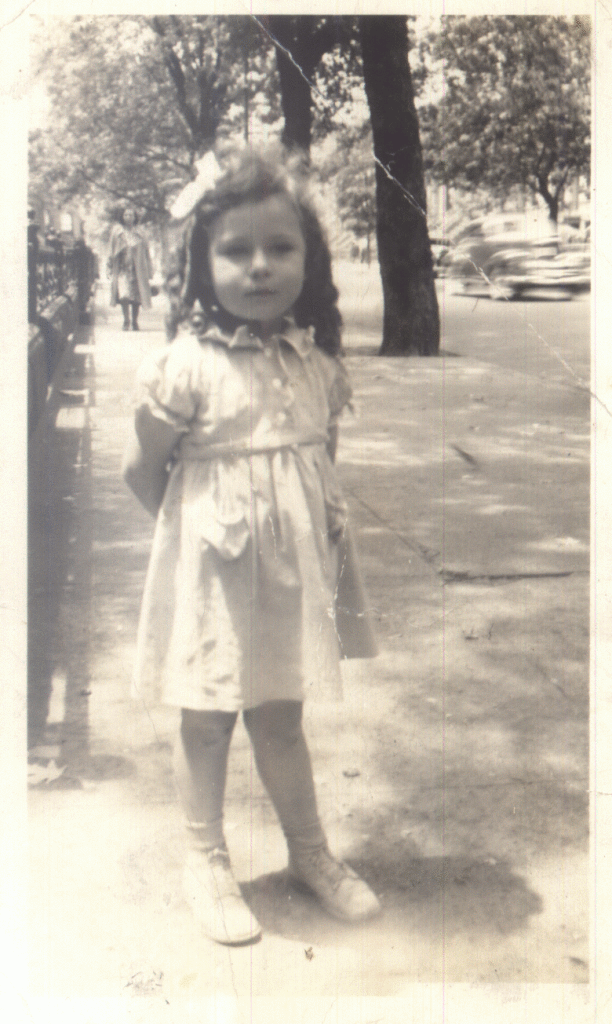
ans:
(436, 897)
(506, 760)
(60, 548)
(59, 455)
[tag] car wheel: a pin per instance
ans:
(499, 288)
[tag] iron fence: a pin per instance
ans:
(57, 267)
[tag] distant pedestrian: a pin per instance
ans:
(252, 593)
(129, 266)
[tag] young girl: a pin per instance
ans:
(235, 437)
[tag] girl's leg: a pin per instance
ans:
(125, 306)
(284, 765)
(283, 762)
(200, 764)
(200, 768)
(135, 308)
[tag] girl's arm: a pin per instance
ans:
(145, 462)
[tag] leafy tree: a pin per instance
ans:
(134, 101)
(514, 106)
(411, 321)
(222, 71)
(112, 125)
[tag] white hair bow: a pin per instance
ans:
(209, 173)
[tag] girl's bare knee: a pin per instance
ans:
(278, 722)
(206, 727)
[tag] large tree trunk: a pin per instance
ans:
(411, 323)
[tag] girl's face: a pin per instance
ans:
(129, 217)
(257, 253)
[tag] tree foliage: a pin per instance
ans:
(514, 107)
(350, 168)
(135, 100)
(111, 125)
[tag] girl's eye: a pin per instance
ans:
(235, 251)
(282, 247)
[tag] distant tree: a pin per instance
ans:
(191, 49)
(222, 70)
(113, 125)
(411, 323)
(514, 104)
(134, 101)
(351, 168)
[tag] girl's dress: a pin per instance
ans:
(252, 592)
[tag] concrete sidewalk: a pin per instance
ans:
(453, 776)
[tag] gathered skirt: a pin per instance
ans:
(252, 592)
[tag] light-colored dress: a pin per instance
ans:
(241, 595)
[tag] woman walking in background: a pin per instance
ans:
(129, 266)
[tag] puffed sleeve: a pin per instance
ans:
(168, 383)
(340, 391)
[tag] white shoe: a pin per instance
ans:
(339, 889)
(215, 899)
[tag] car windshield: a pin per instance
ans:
(473, 230)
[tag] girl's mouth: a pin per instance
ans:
(260, 293)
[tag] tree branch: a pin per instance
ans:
(163, 155)
(176, 74)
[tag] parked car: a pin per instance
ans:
(510, 255)
(440, 251)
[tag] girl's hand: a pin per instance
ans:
(145, 462)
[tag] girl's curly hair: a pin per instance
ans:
(251, 177)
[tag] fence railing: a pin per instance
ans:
(57, 268)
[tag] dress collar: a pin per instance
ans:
(301, 339)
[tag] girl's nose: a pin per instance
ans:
(259, 262)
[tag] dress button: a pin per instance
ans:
(277, 384)
(268, 352)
